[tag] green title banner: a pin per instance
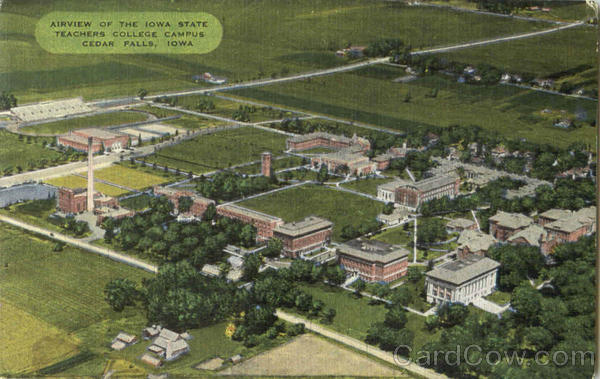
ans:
(129, 32)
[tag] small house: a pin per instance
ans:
(150, 360)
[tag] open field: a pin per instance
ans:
(186, 120)
(311, 355)
(99, 120)
(543, 55)
(130, 177)
(15, 152)
(227, 108)
(35, 213)
(219, 150)
(339, 207)
(371, 96)
(72, 181)
(355, 315)
(28, 343)
(368, 186)
(268, 38)
(276, 164)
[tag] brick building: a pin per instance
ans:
(373, 261)
(307, 235)
(474, 242)
(199, 203)
(357, 164)
(321, 139)
(463, 280)
(264, 223)
(412, 194)
(503, 224)
(460, 224)
(102, 139)
(72, 200)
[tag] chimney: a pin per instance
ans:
(90, 177)
(266, 164)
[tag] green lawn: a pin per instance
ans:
(276, 164)
(61, 288)
(543, 55)
(99, 120)
(499, 297)
(137, 203)
(268, 38)
(396, 236)
(371, 96)
(339, 207)
(35, 212)
(15, 152)
(187, 121)
(368, 186)
(219, 150)
(355, 315)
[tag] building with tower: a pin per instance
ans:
(266, 158)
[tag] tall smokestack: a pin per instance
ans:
(266, 164)
(90, 177)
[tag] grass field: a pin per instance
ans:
(267, 37)
(276, 164)
(99, 120)
(326, 359)
(36, 213)
(60, 297)
(226, 108)
(186, 121)
(219, 150)
(131, 177)
(72, 181)
(29, 343)
(17, 152)
(543, 55)
(368, 186)
(339, 207)
(371, 96)
(355, 315)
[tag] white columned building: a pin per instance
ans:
(461, 281)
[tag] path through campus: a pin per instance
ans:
(361, 346)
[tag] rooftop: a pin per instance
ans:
(567, 225)
(96, 133)
(315, 135)
(532, 234)
(249, 213)
(373, 250)
(308, 225)
(511, 220)
(475, 240)
(460, 223)
(555, 214)
(463, 270)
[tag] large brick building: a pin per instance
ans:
(102, 139)
(463, 280)
(373, 261)
(310, 234)
(504, 224)
(264, 223)
(321, 139)
(72, 200)
(357, 164)
(199, 203)
(412, 194)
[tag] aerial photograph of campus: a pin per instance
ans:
(298, 188)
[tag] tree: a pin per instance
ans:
(209, 213)
(108, 224)
(395, 317)
(431, 230)
(359, 287)
(323, 174)
(7, 101)
(303, 302)
(273, 249)
(335, 275)
(248, 235)
(526, 301)
(388, 208)
(252, 264)
(184, 204)
(142, 93)
(451, 314)
(329, 315)
(120, 293)
(414, 274)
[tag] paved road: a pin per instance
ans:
(361, 346)
(83, 245)
(497, 40)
